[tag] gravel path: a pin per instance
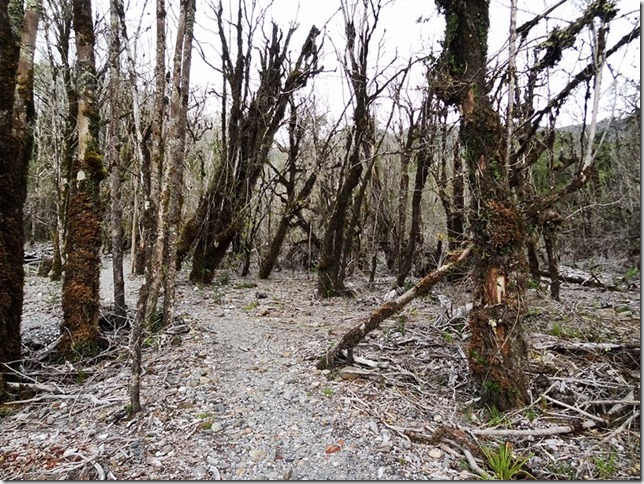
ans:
(230, 394)
(230, 390)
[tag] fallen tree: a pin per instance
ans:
(356, 334)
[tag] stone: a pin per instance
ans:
(219, 408)
(373, 426)
(199, 471)
(435, 453)
(216, 427)
(257, 454)
(384, 447)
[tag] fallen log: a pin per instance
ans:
(583, 279)
(388, 309)
(580, 347)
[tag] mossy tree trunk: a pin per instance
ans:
(13, 185)
(497, 351)
(80, 297)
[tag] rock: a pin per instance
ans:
(219, 408)
(351, 373)
(216, 427)
(257, 454)
(435, 453)
(384, 447)
(325, 372)
(199, 471)
(261, 295)
(315, 384)
(373, 426)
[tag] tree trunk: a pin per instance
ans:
(13, 185)
(70, 136)
(497, 352)
(113, 161)
(330, 282)
(80, 297)
(176, 155)
(269, 260)
(422, 170)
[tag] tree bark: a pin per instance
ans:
(13, 184)
(497, 351)
(422, 170)
(80, 297)
(176, 155)
(113, 161)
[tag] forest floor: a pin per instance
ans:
(230, 390)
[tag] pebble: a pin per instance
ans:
(435, 453)
(219, 408)
(199, 471)
(373, 426)
(257, 454)
(216, 427)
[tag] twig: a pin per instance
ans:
(471, 461)
(621, 428)
(570, 407)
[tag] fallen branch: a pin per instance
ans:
(559, 429)
(355, 335)
(584, 347)
(589, 280)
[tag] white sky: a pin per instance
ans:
(402, 38)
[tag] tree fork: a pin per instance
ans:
(355, 335)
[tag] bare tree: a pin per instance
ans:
(497, 352)
(161, 266)
(248, 131)
(360, 137)
(112, 157)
